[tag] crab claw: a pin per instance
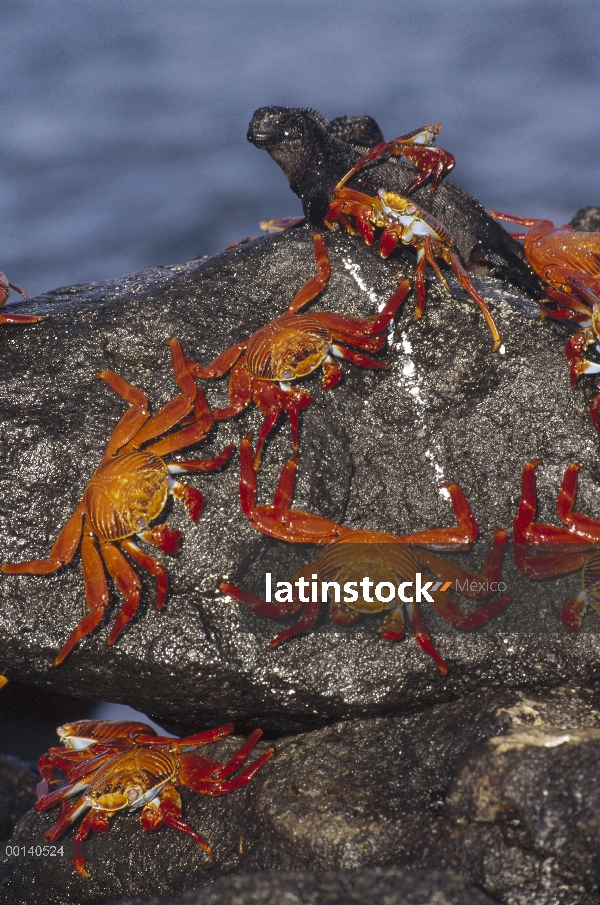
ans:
(164, 538)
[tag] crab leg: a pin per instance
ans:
(422, 637)
(358, 358)
(307, 619)
(273, 401)
(152, 566)
(64, 759)
(546, 564)
(68, 791)
(573, 611)
(315, 284)
(393, 625)
(352, 329)
(192, 773)
(201, 738)
(219, 366)
(191, 466)
(65, 820)
(239, 758)
(458, 537)
(457, 618)
(489, 574)
(6, 318)
(62, 552)
(282, 523)
(128, 584)
(463, 278)
(96, 595)
(257, 604)
(166, 418)
(187, 436)
(133, 419)
(168, 811)
(525, 529)
(583, 525)
(581, 529)
(93, 820)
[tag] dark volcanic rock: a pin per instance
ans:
(17, 792)
(375, 451)
(389, 886)
(498, 787)
(314, 155)
(587, 220)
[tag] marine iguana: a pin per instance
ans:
(314, 154)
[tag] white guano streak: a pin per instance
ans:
(354, 271)
(413, 382)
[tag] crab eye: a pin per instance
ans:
(287, 374)
(134, 793)
(141, 522)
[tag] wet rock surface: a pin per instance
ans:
(17, 792)
(498, 788)
(390, 886)
(375, 451)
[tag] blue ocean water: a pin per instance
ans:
(122, 137)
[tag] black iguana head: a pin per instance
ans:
(309, 151)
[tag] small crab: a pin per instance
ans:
(293, 346)
(145, 777)
(545, 551)
(416, 147)
(126, 493)
(387, 558)
(568, 262)
(5, 317)
(401, 220)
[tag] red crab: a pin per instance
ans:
(126, 493)
(545, 551)
(416, 147)
(401, 220)
(388, 558)
(144, 777)
(293, 346)
(569, 263)
(5, 316)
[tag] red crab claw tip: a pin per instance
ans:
(165, 539)
(79, 866)
(392, 636)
